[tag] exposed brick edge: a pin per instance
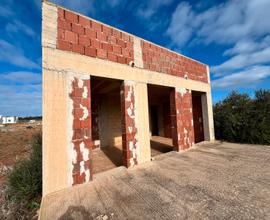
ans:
(182, 119)
(129, 129)
(81, 137)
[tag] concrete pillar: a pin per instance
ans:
(129, 124)
(208, 121)
(181, 118)
(174, 119)
(54, 132)
(141, 106)
(67, 141)
(135, 123)
(80, 132)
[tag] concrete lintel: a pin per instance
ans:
(63, 60)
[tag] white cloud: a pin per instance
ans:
(243, 79)
(11, 54)
(5, 11)
(182, 24)
(18, 27)
(149, 8)
(243, 60)
(23, 77)
(114, 3)
(20, 100)
(247, 45)
(241, 26)
(223, 24)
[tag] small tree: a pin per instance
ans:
(261, 117)
(238, 118)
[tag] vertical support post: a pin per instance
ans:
(142, 115)
(81, 140)
(129, 123)
(181, 118)
(174, 119)
(208, 121)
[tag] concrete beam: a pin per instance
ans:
(68, 61)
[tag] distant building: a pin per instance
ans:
(8, 119)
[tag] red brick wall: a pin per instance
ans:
(87, 37)
(81, 139)
(182, 119)
(162, 60)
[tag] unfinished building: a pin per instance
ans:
(113, 99)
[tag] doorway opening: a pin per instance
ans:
(197, 116)
(106, 124)
(159, 119)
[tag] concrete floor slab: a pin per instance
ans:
(211, 181)
(110, 157)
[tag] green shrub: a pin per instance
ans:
(239, 118)
(25, 180)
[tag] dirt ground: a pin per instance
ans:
(15, 140)
(210, 181)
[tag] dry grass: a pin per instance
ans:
(15, 145)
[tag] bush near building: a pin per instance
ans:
(25, 181)
(242, 119)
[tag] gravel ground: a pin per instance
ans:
(211, 181)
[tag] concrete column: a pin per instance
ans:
(142, 114)
(208, 121)
(49, 25)
(129, 124)
(54, 132)
(135, 123)
(67, 142)
(182, 118)
(79, 128)
(174, 119)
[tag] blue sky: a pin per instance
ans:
(232, 37)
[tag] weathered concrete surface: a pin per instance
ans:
(212, 181)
